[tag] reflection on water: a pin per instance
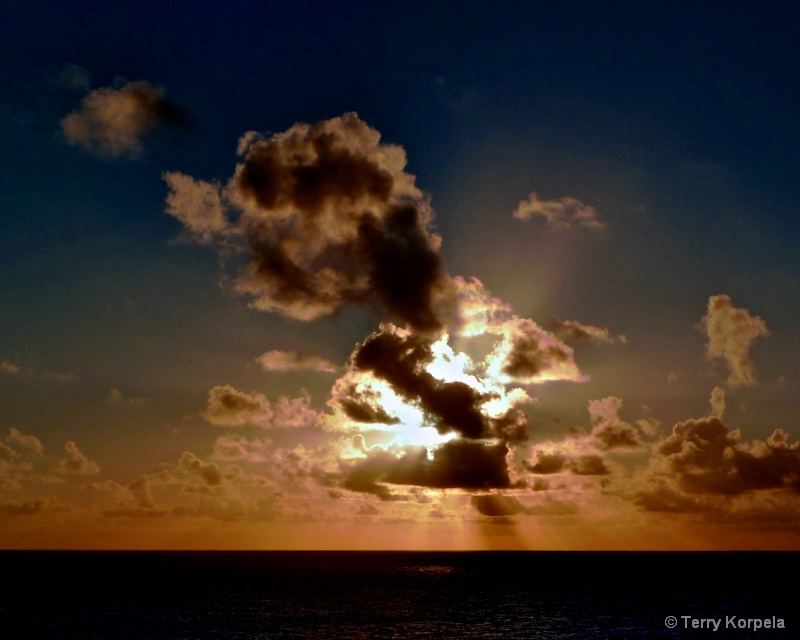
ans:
(389, 596)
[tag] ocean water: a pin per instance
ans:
(365, 595)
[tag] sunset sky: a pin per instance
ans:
(400, 275)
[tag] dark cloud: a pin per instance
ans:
(25, 507)
(590, 465)
(230, 407)
(496, 504)
(328, 216)
(528, 354)
(207, 471)
(455, 464)
(706, 458)
(360, 411)
(548, 463)
(609, 430)
(113, 121)
(527, 358)
(399, 358)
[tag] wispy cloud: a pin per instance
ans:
(573, 331)
(564, 213)
(294, 361)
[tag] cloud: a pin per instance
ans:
(705, 457)
(112, 122)
(717, 402)
(563, 213)
(497, 504)
(609, 430)
(403, 360)
(665, 499)
(572, 331)
(140, 489)
(228, 407)
(584, 453)
(235, 447)
(75, 462)
(528, 355)
(198, 206)
(28, 506)
(396, 357)
(26, 442)
(294, 361)
(546, 462)
(9, 367)
(454, 464)
(327, 217)
(730, 333)
(208, 472)
(13, 474)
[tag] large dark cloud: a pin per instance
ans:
(497, 505)
(560, 462)
(707, 458)
(609, 430)
(399, 360)
(328, 216)
(455, 464)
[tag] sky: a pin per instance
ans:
(399, 275)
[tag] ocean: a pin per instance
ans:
(398, 595)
